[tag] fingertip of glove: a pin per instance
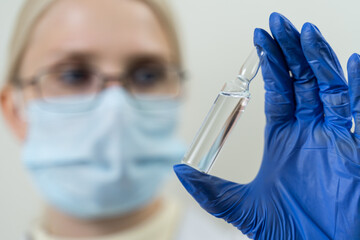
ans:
(354, 58)
(181, 168)
(310, 39)
(275, 16)
(277, 20)
(184, 172)
(353, 65)
(258, 33)
(282, 29)
(260, 36)
(191, 179)
(309, 31)
(307, 28)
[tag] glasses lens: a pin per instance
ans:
(154, 79)
(69, 86)
(75, 88)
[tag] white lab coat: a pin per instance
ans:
(197, 225)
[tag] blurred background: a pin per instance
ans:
(216, 37)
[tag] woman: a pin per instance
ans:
(93, 92)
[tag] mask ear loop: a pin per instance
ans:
(20, 104)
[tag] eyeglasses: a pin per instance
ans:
(77, 87)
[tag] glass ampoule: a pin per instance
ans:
(223, 115)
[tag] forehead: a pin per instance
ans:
(111, 28)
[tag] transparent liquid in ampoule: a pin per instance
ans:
(226, 110)
(219, 122)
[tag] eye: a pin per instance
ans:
(148, 76)
(76, 76)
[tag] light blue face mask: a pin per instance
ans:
(105, 162)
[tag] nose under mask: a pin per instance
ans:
(105, 162)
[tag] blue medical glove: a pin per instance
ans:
(308, 186)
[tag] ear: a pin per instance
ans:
(11, 112)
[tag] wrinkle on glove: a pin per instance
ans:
(308, 186)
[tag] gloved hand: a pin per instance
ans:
(308, 186)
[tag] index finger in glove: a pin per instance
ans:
(279, 98)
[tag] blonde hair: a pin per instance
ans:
(32, 10)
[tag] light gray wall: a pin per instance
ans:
(18, 202)
(217, 36)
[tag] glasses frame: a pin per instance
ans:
(103, 79)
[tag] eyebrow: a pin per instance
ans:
(82, 56)
(147, 57)
(75, 56)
